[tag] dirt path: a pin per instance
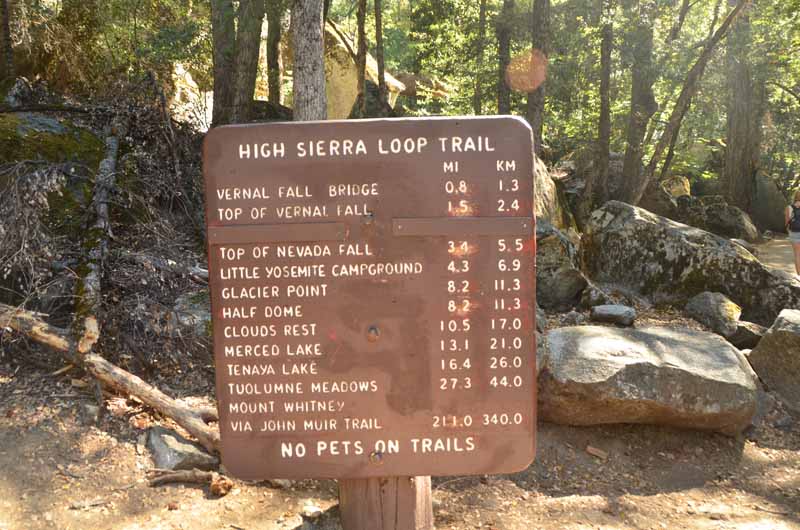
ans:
(61, 470)
(777, 254)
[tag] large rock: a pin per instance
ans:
(661, 202)
(592, 296)
(683, 378)
(172, 451)
(192, 315)
(541, 319)
(747, 336)
(621, 315)
(768, 205)
(586, 166)
(34, 136)
(710, 213)
(677, 186)
(57, 198)
(549, 202)
(716, 311)
(559, 282)
(341, 73)
(671, 262)
(713, 214)
(776, 359)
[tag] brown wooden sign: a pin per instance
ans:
(372, 288)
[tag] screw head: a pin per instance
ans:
(373, 333)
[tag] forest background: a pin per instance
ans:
(706, 89)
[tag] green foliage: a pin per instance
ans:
(86, 45)
(90, 46)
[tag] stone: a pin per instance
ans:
(311, 511)
(677, 186)
(691, 379)
(716, 311)
(585, 163)
(713, 214)
(768, 205)
(765, 405)
(670, 262)
(341, 73)
(559, 281)
(573, 318)
(659, 201)
(192, 313)
(776, 358)
(91, 411)
(18, 94)
(744, 244)
(541, 319)
(549, 202)
(613, 314)
(281, 483)
(747, 335)
(592, 296)
(172, 451)
(729, 221)
(34, 136)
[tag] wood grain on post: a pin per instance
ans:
(392, 503)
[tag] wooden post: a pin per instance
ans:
(390, 503)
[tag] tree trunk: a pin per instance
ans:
(595, 191)
(744, 118)
(504, 56)
(477, 98)
(8, 70)
(678, 25)
(274, 64)
(643, 101)
(713, 26)
(383, 101)
(361, 57)
(684, 100)
(223, 32)
(416, 60)
(310, 102)
(248, 44)
(604, 125)
(540, 40)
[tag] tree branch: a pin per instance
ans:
(684, 101)
(31, 325)
(788, 90)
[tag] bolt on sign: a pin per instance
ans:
(373, 298)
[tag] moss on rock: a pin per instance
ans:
(30, 136)
(34, 136)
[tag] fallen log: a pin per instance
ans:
(88, 295)
(220, 484)
(32, 326)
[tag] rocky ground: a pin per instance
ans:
(61, 469)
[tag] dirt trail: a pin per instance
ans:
(61, 470)
(777, 254)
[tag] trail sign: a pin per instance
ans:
(373, 298)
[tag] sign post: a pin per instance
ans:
(373, 303)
